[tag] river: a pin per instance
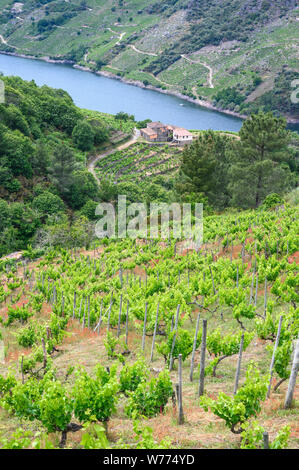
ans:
(91, 91)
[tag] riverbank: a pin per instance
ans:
(128, 81)
(201, 103)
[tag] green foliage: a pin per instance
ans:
(27, 337)
(55, 406)
(204, 167)
(252, 437)
(238, 409)
(89, 209)
(183, 344)
(257, 160)
(278, 98)
(229, 97)
(94, 437)
(83, 188)
(110, 344)
(132, 375)
(17, 314)
(19, 439)
(48, 203)
(151, 397)
(23, 399)
(145, 440)
(95, 398)
(222, 346)
(282, 364)
(42, 139)
(83, 135)
(272, 200)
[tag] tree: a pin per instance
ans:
(63, 164)
(256, 160)
(4, 215)
(203, 170)
(48, 203)
(24, 220)
(89, 209)
(16, 151)
(41, 159)
(83, 135)
(83, 188)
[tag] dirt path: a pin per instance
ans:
(210, 77)
(92, 163)
(121, 35)
(142, 52)
(6, 43)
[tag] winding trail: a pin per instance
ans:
(121, 35)
(142, 52)
(92, 163)
(6, 43)
(210, 78)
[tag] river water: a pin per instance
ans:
(91, 91)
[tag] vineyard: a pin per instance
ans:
(145, 344)
(140, 161)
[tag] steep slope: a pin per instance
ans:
(229, 53)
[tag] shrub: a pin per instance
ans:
(83, 135)
(17, 313)
(48, 203)
(132, 375)
(246, 403)
(95, 398)
(272, 200)
(27, 337)
(150, 398)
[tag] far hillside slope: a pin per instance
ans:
(238, 55)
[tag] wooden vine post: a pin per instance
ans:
(144, 328)
(273, 355)
(127, 324)
(44, 353)
(119, 315)
(174, 337)
(154, 335)
(109, 314)
(181, 413)
(265, 298)
(194, 348)
(256, 289)
(74, 305)
(266, 440)
(100, 319)
(239, 365)
(202, 358)
(89, 311)
(293, 377)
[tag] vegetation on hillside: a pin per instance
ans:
(127, 309)
(250, 43)
(44, 144)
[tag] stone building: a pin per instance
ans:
(159, 132)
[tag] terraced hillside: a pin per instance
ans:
(235, 55)
(140, 162)
(93, 340)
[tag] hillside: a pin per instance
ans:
(235, 55)
(79, 343)
(44, 144)
(57, 162)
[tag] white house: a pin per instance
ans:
(182, 136)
